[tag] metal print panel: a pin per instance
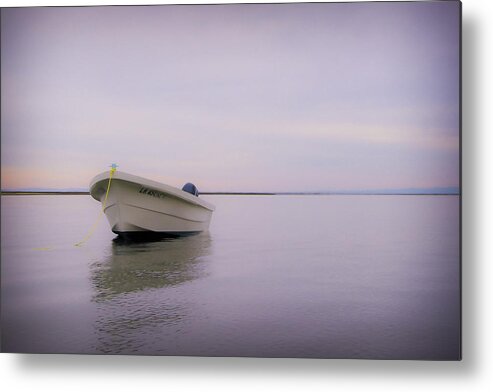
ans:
(288, 180)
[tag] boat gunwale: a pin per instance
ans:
(130, 178)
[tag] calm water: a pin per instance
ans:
(276, 276)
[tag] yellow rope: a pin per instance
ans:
(95, 224)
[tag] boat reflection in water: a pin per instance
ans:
(137, 291)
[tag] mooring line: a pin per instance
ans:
(95, 224)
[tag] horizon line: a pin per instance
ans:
(356, 193)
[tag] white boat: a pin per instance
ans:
(136, 206)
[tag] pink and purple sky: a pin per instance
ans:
(289, 97)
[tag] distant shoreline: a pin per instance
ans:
(34, 193)
(54, 193)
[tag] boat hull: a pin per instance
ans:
(137, 207)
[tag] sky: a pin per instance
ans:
(264, 97)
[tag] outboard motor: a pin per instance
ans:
(190, 188)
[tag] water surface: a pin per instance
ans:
(275, 276)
